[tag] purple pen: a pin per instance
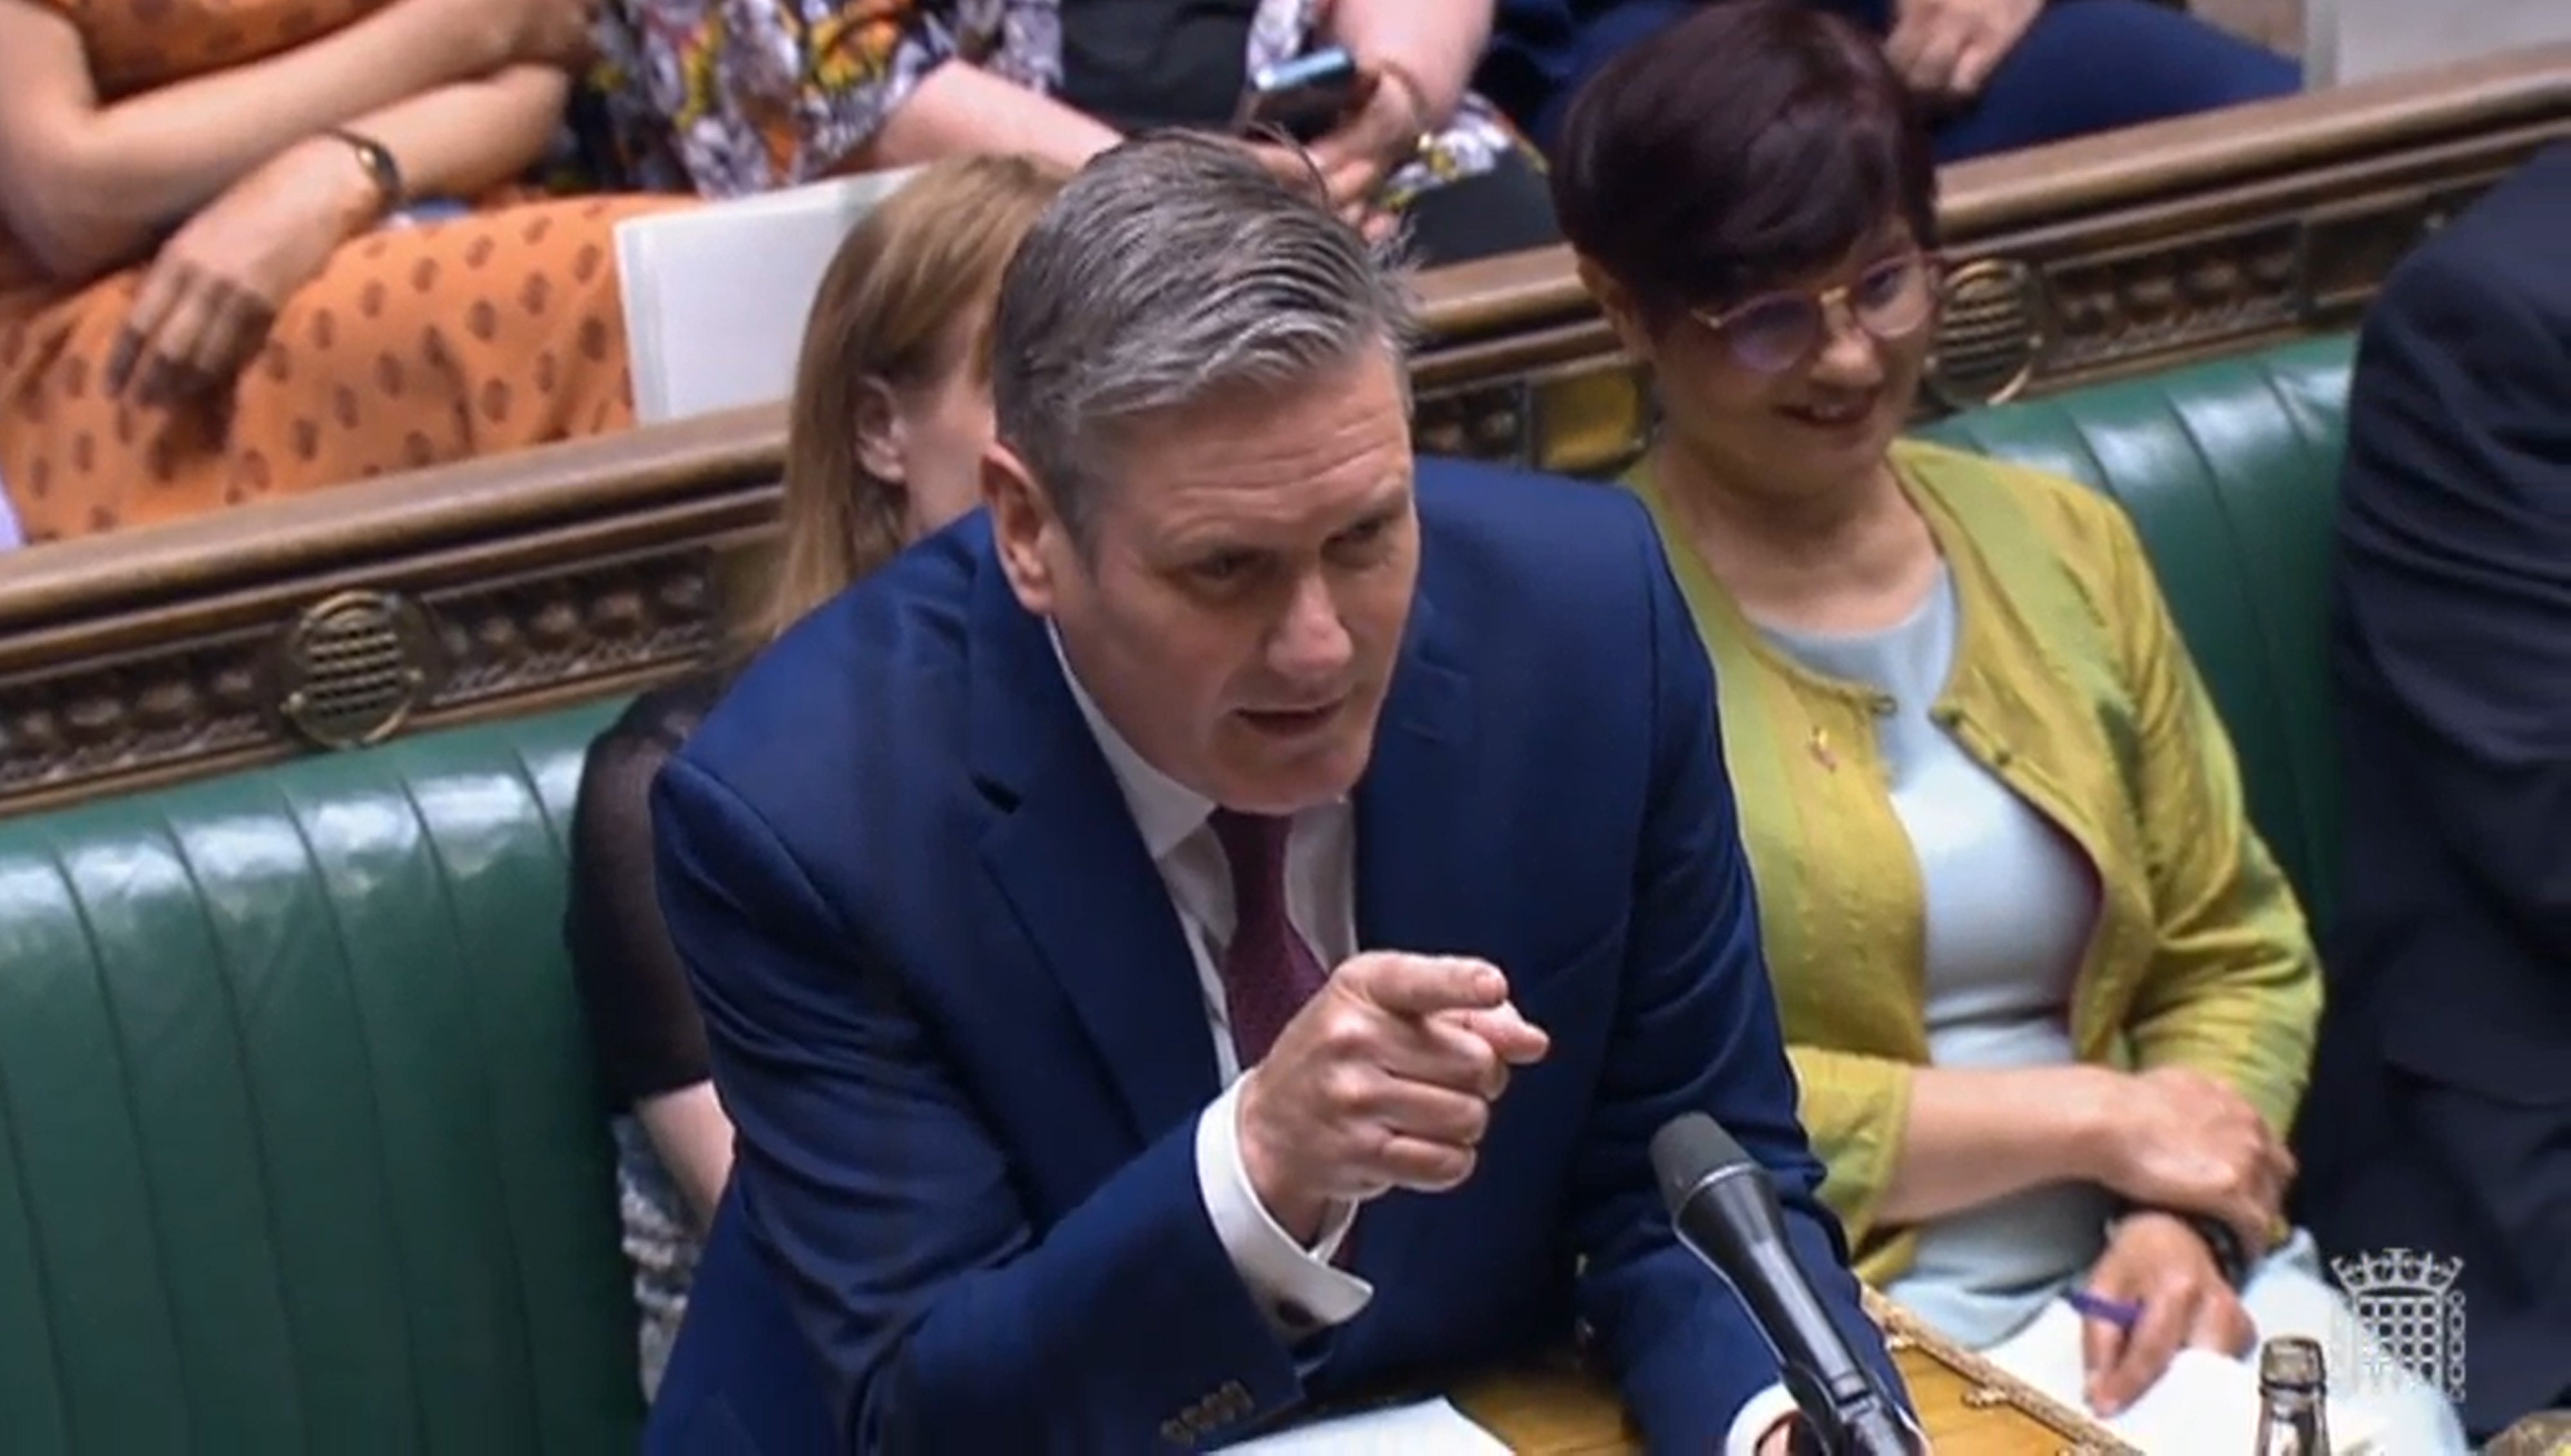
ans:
(2096, 1306)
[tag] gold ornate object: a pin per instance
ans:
(1934, 1366)
(354, 668)
(1990, 334)
(2545, 1433)
(1968, 1406)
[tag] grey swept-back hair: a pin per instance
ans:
(1173, 267)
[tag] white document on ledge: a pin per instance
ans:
(1426, 1428)
(2205, 1405)
(716, 296)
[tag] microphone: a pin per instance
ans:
(1724, 1208)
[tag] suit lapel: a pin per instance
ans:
(1423, 876)
(1062, 849)
(1413, 889)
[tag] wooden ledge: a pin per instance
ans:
(636, 473)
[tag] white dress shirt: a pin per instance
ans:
(1297, 1287)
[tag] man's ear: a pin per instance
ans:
(1623, 314)
(882, 451)
(1024, 527)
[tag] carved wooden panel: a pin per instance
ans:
(241, 696)
(199, 702)
(505, 639)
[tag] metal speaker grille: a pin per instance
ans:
(1990, 334)
(354, 669)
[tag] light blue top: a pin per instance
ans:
(2009, 901)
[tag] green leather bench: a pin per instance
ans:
(298, 1150)
(2230, 473)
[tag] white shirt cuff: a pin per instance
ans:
(1764, 1410)
(1297, 1288)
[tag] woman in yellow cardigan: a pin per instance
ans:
(2048, 997)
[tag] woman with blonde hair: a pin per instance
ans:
(891, 410)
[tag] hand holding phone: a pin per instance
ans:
(1305, 98)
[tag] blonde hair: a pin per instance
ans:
(906, 300)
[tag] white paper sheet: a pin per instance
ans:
(1426, 1428)
(715, 296)
(2205, 1405)
(2357, 40)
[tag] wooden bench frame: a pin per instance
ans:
(504, 586)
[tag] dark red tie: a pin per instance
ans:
(1267, 970)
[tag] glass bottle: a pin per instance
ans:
(2294, 1387)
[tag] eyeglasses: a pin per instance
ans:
(1775, 332)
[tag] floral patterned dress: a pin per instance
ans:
(727, 98)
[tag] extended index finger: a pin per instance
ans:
(1422, 985)
(1510, 1036)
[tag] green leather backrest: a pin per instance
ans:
(298, 1147)
(2229, 471)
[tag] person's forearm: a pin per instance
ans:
(960, 109)
(1972, 1137)
(1435, 43)
(692, 1138)
(118, 176)
(462, 139)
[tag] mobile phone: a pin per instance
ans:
(1303, 98)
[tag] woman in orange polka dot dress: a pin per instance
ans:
(210, 290)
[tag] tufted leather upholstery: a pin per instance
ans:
(298, 1150)
(2229, 471)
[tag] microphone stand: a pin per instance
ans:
(1723, 1210)
(1864, 1425)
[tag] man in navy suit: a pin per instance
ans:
(2440, 1115)
(1216, 931)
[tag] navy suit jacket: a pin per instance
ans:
(2439, 1114)
(956, 1024)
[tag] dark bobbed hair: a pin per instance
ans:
(1754, 140)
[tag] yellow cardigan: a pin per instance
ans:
(2070, 683)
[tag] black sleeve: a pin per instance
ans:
(645, 1031)
(2455, 535)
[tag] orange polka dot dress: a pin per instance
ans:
(483, 333)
